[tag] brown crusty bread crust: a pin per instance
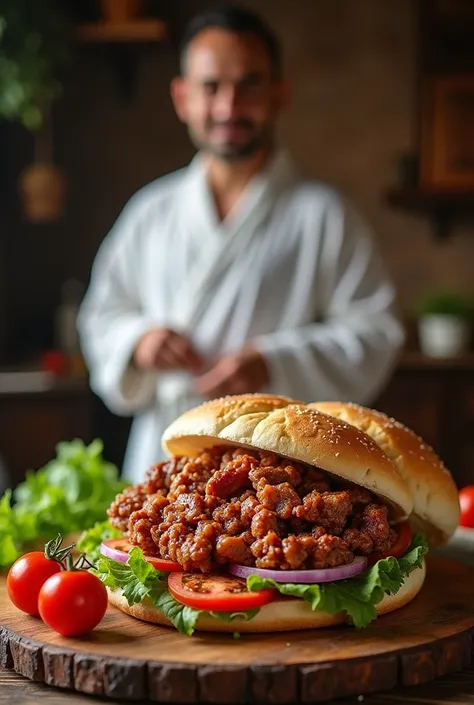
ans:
(435, 495)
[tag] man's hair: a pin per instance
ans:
(240, 20)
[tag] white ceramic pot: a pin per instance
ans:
(443, 335)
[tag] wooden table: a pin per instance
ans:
(454, 688)
(457, 688)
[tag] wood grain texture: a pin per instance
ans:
(455, 688)
(132, 660)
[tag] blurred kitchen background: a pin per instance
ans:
(383, 108)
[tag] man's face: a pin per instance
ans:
(228, 96)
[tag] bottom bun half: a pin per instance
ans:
(283, 614)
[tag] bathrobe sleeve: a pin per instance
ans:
(111, 320)
(349, 354)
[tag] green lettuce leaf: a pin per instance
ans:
(90, 540)
(184, 618)
(413, 557)
(136, 577)
(138, 580)
(358, 596)
(70, 493)
(9, 538)
(144, 575)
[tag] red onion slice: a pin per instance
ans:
(114, 552)
(323, 575)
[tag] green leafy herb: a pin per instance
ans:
(358, 596)
(138, 580)
(70, 493)
(90, 540)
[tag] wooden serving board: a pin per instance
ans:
(126, 658)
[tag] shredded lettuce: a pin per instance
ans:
(138, 580)
(72, 492)
(358, 596)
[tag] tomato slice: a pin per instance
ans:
(401, 544)
(118, 550)
(217, 593)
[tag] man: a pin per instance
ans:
(233, 274)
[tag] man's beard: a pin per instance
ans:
(232, 152)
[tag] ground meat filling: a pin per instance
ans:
(253, 508)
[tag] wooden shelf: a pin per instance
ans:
(442, 207)
(138, 31)
(416, 360)
(121, 40)
(417, 199)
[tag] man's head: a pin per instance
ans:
(231, 88)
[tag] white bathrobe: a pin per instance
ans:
(292, 270)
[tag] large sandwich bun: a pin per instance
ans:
(284, 614)
(350, 443)
(294, 430)
(435, 495)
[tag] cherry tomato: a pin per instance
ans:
(118, 550)
(219, 593)
(401, 544)
(466, 502)
(25, 578)
(72, 602)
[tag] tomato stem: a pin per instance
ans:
(82, 562)
(54, 552)
(64, 557)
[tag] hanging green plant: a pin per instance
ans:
(35, 46)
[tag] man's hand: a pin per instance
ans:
(238, 373)
(163, 349)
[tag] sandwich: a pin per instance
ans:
(271, 515)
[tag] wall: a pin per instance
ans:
(353, 70)
(354, 65)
